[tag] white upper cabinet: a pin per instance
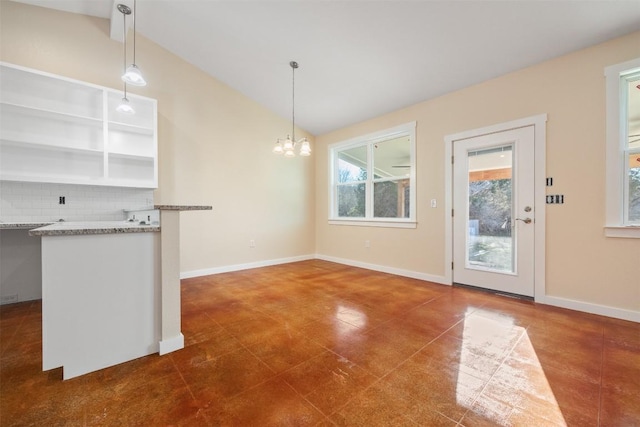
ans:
(59, 130)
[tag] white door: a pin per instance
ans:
(493, 217)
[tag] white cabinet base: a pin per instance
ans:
(172, 344)
(101, 300)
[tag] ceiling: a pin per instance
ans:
(361, 59)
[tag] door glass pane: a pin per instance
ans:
(490, 241)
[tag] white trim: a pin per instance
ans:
(602, 310)
(615, 121)
(367, 140)
(630, 232)
(177, 343)
(370, 223)
(247, 266)
(171, 344)
(371, 137)
(384, 269)
(539, 123)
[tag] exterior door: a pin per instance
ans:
(494, 212)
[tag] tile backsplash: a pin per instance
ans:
(40, 202)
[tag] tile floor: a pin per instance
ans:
(317, 343)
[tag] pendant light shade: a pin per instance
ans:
(288, 146)
(132, 74)
(125, 107)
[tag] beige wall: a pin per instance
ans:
(582, 264)
(214, 143)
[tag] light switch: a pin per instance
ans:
(434, 203)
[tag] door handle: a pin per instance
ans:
(525, 220)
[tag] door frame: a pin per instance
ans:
(539, 123)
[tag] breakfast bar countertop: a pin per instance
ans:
(17, 225)
(92, 227)
(183, 207)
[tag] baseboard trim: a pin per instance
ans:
(171, 344)
(384, 269)
(587, 307)
(247, 266)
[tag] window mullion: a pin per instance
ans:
(369, 184)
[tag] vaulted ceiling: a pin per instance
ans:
(361, 59)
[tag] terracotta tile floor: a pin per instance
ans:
(317, 343)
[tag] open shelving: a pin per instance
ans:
(60, 130)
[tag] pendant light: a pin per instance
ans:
(287, 146)
(132, 74)
(125, 107)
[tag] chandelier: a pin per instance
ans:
(287, 146)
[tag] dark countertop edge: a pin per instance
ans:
(183, 208)
(90, 231)
(23, 225)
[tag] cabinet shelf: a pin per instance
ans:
(55, 178)
(141, 157)
(42, 112)
(17, 141)
(130, 128)
(59, 130)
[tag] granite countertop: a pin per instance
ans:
(182, 208)
(22, 225)
(71, 228)
(92, 227)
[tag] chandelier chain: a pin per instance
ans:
(293, 102)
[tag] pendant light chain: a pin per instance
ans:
(124, 107)
(294, 65)
(134, 31)
(124, 43)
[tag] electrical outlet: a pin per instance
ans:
(367, 244)
(9, 299)
(62, 200)
(252, 243)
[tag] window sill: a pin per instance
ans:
(629, 232)
(374, 223)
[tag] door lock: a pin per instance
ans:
(525, 220)
(527, 208)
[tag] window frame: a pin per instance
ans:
(369, 140)
(616, 147)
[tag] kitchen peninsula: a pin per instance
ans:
(110, 291)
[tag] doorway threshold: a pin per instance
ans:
(494, 292)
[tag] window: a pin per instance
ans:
(623, 149)
(373, 179)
